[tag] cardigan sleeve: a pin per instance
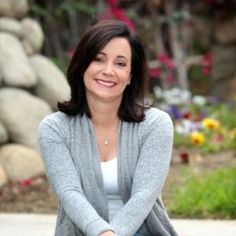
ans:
(149, 176)
(65, 181)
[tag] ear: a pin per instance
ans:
(129, 81)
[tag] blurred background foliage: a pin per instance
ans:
(182, 38)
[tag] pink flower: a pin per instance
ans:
(206, 63)
(26, 182)
(166, 60)
(154, 72)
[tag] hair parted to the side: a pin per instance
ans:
(95, 38)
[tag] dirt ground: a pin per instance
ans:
(35, 196)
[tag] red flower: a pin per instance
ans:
(206, 63)
(166, 60)
(113, 2)
(154, 72)
(186, 114)
(26, 182)
(114, 12)
(120, 14)
(184, 157)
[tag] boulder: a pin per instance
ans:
(21, 113)
(14, 8)
(14, 64)
(3, 176)
(0, 77)
(32, 36)
(224, 61)
(52, 85)
(225, 32)
(11, 26)
(20, 162)
(224, 89)
(3, 134)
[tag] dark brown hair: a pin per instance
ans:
(95, 38)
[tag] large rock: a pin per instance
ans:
(20, 162)
(224, 62)
(52, 85)
(3, 134)
(225, 31)
(14, 64)
(10, 25)
(14, 8)
(224, 89)
(201, 27)
(3, 176)
(21, 113)
(32, 36)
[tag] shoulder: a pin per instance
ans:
(57, 122)
(54, 119)
(157, 123)
(155, 116)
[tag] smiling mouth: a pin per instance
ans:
(108, 84)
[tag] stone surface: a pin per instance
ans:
(3, 134)
(14, 64)
(52, 85)
(201, 27)
(20, 162)
(3, 176)
(224, 62)
(10, 25)
(21, 113)
(14, 8)
(225, 31)
(32, 35)
(225, 89)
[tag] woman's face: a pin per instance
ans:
(110, 71)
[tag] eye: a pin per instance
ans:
(121, 64)
(98, 59)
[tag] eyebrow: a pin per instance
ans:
(119, 56)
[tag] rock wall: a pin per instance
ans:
(30, 87)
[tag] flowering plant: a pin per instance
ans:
(199, 122)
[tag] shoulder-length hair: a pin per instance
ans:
(95, 38)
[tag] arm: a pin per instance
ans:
(149, 177)
(65, 181)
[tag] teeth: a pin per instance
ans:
(106, 83)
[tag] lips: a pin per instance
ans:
(105, 83)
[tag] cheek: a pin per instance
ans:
(126, 78)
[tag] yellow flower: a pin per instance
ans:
(211, 124)
(233, 133)
(197, 138)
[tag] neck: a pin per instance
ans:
(104, 113)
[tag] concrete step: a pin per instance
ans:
(43, 225)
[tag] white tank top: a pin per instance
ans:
(109, 173)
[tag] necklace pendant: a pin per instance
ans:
(106, 142)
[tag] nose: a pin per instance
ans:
(108, 69)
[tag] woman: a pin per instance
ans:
(106, 154)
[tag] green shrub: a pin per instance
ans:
(212, 195)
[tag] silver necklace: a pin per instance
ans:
(106, 141)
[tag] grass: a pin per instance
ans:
(209, 195)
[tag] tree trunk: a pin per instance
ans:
(177, 47)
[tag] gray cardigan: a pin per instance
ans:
(71, 158)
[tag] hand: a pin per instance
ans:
(108, 233)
